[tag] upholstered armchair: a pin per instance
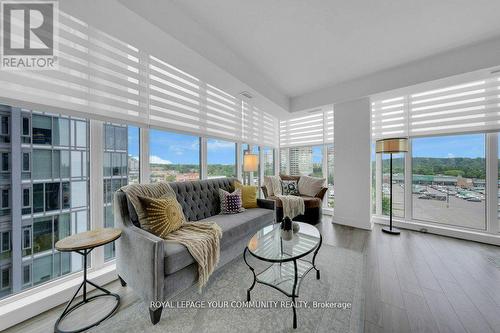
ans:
(313, 211)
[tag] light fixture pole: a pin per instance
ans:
(391, 146)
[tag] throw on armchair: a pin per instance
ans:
(312, 214)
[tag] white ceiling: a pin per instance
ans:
(302, 46)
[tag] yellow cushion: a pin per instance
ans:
(248, 194)
(163, 215)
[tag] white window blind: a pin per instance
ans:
(466, 106)
(98, 76)
(313, 129)
(104, 78)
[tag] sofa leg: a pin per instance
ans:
(122, 281)
(155, 315)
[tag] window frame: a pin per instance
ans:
(491, 199)
(9, 241)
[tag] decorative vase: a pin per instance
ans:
(295, 227)
(286, 229)
(286, 224)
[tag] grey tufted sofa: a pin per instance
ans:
(157, 270)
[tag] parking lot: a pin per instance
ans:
(456, 211)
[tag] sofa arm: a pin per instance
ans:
(139, 255)
(321, 193)
(265, 203)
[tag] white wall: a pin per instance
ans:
(352, 163)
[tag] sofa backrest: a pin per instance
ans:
(200, 199)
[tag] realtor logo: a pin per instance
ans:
(29, 35)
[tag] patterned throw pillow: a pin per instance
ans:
(163, 215)
(289, 187)
(230, 203)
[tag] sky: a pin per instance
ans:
(166, 148)
(470, 145)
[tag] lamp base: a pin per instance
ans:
(393, 231)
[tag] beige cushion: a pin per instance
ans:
(272, 187)
(162, 215)
(310, 185)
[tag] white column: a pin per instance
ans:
(352, 163)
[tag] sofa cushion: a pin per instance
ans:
(309, 202)
(234, 228)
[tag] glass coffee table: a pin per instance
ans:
(288, 265)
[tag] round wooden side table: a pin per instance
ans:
(83, 243)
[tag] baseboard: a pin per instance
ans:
(351, 223)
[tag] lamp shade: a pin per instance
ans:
(393, 145)
(250, 162)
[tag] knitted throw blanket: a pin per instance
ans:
(292, 205)
(202, 239)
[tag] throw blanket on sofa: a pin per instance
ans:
(292, 205)
(202, 239)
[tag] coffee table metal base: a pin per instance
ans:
(273, 276)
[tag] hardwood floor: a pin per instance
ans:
(413, 283)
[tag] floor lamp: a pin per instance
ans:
(391, 146)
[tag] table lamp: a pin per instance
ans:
(391, 146)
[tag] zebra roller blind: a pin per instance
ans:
(102, 77)
(315, 128)
(467, 105)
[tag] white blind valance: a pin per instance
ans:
(469, 106)
(313, 129)
(104, 78)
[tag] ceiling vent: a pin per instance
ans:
(246, 94)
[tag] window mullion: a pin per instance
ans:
(492, 182)
(144, 155)
(96, 184)
(408, 190)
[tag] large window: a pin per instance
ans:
(115, 173)
(221, 158)
(173, 157)
(449, 174)
(54, 195)
(306, 161)
(331, 193)
(133, 155)
(284, 161)
(268, 161)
